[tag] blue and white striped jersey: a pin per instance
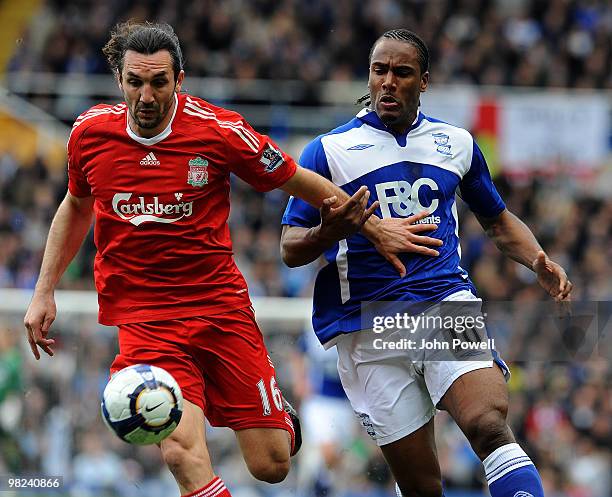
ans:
(422, 169)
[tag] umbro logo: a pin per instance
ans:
(361, 146)
(149, 160)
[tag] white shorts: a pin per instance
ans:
(392, 394)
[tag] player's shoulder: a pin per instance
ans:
(205, 120)
(343, 133)
(198, 111)
(442, 131)
(96, 115)
(329, 146)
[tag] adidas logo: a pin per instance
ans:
(149, 160)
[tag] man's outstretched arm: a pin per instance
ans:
(516, 240)
(343, 216)
(68, 230)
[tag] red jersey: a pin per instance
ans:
(161, 206)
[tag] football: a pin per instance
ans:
(142, 404)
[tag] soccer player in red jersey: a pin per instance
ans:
(154, 172)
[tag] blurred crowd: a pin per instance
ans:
(545, 43)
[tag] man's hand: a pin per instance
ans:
(399, 235)
(39, 316)
(338, 223)
(552, 277)
(299, 246)
(393, 235)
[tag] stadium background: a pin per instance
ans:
(531, 79)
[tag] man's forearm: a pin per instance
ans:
(68, 230)
(301, 246)
(513, 238)
(313, 188)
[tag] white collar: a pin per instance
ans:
(157, 138)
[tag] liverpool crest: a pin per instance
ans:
(198, 172)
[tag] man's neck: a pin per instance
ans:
(403, 127)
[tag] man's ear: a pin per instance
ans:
(179, 81)
(119, 81)
(424, 81)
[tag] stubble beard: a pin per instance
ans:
(149, 123)
(154, 121)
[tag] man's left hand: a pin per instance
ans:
(552, 277)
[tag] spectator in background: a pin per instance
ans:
(11, 405)
(11, 381)
(327, 417)
(97, 470)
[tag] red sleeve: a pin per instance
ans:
(255, 158)
(77, 182)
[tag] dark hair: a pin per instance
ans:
(407, 36)
(145, 38)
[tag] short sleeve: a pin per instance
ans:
(255, 158)
(298, 212)
(477, 188)
(77, 182)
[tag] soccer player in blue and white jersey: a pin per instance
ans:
(413, 165)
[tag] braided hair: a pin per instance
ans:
(407, 36)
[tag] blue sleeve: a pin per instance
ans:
(477, 188)
(301, 345)
(298, 212)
